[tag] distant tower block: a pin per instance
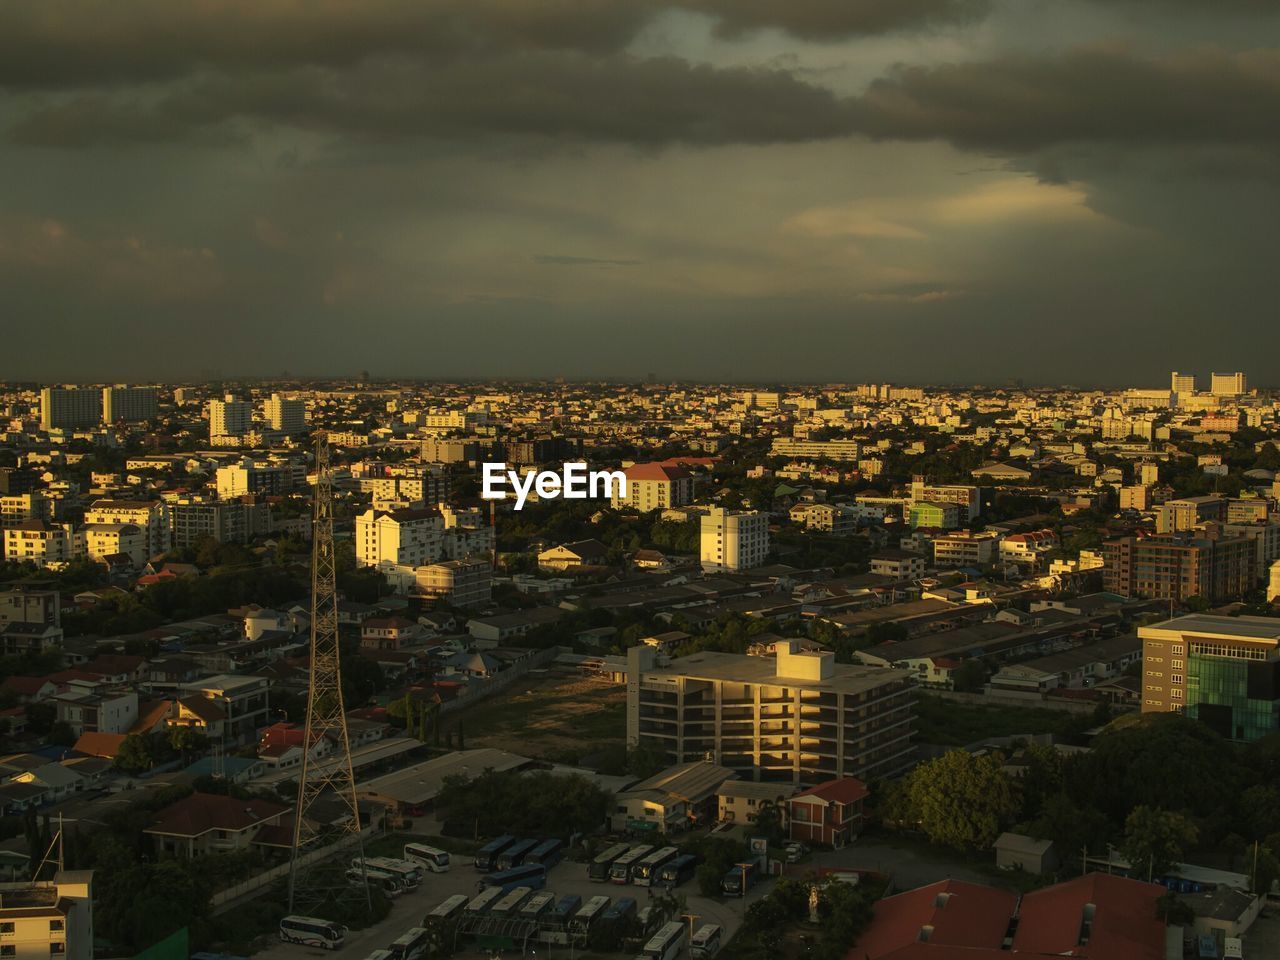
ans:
(326, 815)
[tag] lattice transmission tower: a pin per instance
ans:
(326, 811)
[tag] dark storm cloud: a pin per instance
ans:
(829, 19)
(1021, 103)
(646, 102)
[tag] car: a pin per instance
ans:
(795, 852)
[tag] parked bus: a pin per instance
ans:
(430, 858)
(624, 909)
(598, 869)
(487, 854)
(450, 908)
(565, 909)
(514, 855)
(620, 872)
(548, 853)
(511, 902)
(312, 932)
(411, 945)
(645, 871)
(667, 943)
(408, 873)
(532, 875)
(388, 883)
(706, 942)
(483, 900)
(740, 878)
(537, 905)
(679, 871)
(588, 914)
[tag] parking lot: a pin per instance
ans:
(408, 910)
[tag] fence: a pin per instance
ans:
(224, 899)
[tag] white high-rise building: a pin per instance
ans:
(1183, 382)
(734, 539)
(1228, 384)
(149, 516)
(402, 538)
(230, 417)
(129, 404)
(63, 408)
(285, 414)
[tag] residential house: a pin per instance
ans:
(211, 823)
(829, 813)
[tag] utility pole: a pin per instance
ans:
(329, 785)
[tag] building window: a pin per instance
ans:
(8, 950)
(57, 949)
(55, 925)
(6, 927)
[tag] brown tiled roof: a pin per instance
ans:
(202, 812)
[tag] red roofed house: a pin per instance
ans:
(281, 744)
(655, 486)
(830, 813)
(211, 823)
(1096, 917)
(28, 689)
(105, 745)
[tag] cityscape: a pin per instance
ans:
(639, 480)
(277, 672)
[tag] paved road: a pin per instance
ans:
(408, 910)
(908, 867)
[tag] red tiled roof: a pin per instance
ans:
(971, 915)
(105, 745)
(1124, 925)
(23, 686)
(656, 471)
(841, 790)
(202, 812)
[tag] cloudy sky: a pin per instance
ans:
(1081, 191)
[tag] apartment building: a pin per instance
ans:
(1228, 384)
(1135, 498)
(733, 540)
(66, 408)
(407, 538)
(124, 404)
(459, 583)
(106, 540)
(230, 417)
(1179, 566)
(270, 476)
(19, 507)
(42, 543)
(939, 515)
(193, 519)
(1028, 549)
(1224, 671)
(88, 706)
(242, 700)
(840, 451)
(42, 919)
(149, 516)
(285, 414)
(833, 519)
(797, 716)
(1187, 513)
(965, 549)
(427, 490)
(899, 564)
(654, 486)
(967, 498)
(1182, 382)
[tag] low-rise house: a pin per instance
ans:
(1016, 851)
(739, 801)
(211, 823)
(572, 556)
(829, 813)
(679, 797)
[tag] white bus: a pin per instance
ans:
(312, 932)
(620, 870)
(588, 914)
(538, 904)
(406, 871)
(450, 908)
(511, 902)
(433, 859)
(411, 945)
(388, 883)
(666, 944)
(706, 942)
(484, 899)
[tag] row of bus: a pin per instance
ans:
(505, 852)
(568, 919)
(643, 865)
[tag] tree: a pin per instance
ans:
(1155, 839)
(61, 734)
(769, 821)
(134, 755)
(963, 801)
(1073, 828)
(971, 675)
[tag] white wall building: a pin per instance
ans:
(285, 414)
(150, 516)
(734, 540)
(409, 538)
(230, 417)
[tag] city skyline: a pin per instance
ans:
(938, 191)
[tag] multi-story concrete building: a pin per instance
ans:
(425, 490)
(834, 519)
(129, 404)
(1273, 585)
(285, 414)
(192, 519)
(230, 417)
(654, 486)
(939, 515)
(42, 543)
(66, 408)
(44, 919)
(967, 498)
(797, 717)
(459, 583)
(1228, 384)
(403, 538)
(733, 540)
(1175, 516)
(845, 451)
(1224, 671)
(1179, 566)
(964, 549)
(267, 476)
(242, 701)
(150, 516)
(92, 707)
(1182, 382)
(104, 540)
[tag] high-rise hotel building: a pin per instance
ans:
(797, 716)
(1224, 671)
